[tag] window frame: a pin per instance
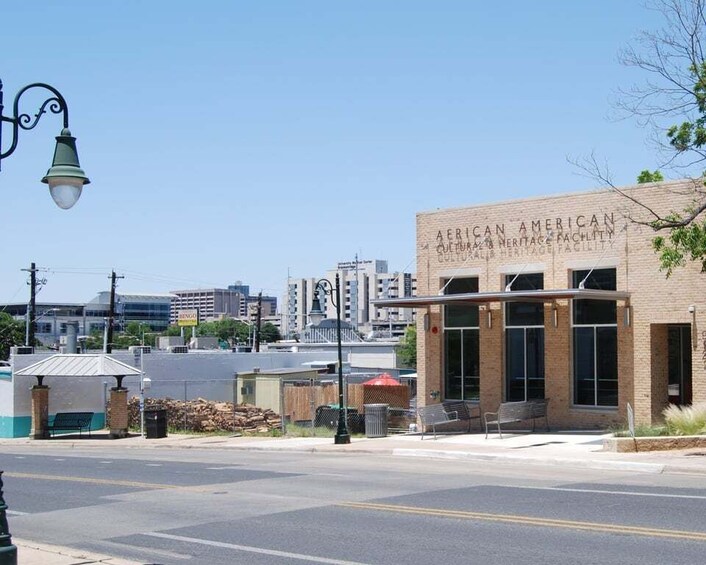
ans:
(507, 325)
(596, 354)
(465, 331)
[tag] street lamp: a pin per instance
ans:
(316, 315)
(65, 176)
(65, 179)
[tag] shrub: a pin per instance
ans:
(685, 420)
(642, 431)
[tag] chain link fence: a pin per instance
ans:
(271, 404)
(314, 404)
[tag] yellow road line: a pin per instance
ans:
(531, 521)
(110, 482)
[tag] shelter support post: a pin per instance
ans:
(40, 412)
(118, 412)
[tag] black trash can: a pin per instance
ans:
(376, 420)
(356, 422)
(155, 423)
(326, 416)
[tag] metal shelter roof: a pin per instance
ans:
(83, 365)
(505, 296)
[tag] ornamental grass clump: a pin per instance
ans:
(685, 420)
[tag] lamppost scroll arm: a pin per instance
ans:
(328, 288)
(56, 104)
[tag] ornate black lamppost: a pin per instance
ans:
(65, 177)
(8, 552)
(316, 315)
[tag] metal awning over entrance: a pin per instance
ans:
(505, 296)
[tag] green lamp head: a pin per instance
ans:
(316, 315)
(65, 177)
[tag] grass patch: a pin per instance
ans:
(642, 431)
(293, 430)
(685, 420)
(678, 421)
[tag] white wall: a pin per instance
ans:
(215, 369)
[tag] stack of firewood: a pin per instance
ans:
(201, 415)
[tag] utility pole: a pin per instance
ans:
(108, 345)
(31, 325)
(258, 321)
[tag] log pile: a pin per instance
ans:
(201, 415)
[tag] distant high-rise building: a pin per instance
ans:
(150, 309)
(232, 302)
(361, 281)
(212, 303)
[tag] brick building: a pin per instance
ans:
(562, 298)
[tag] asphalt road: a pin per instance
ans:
(218, 507)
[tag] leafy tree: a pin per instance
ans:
(207, 329)
(135, 328)
(124, 340)
(646, 176)
(12, 332)
(675, 61)
(684, 243)
(227, 329)
(172, 331)
(269, 333)
(242, 332)
(672, 103)
(407, 350)
(95, 340)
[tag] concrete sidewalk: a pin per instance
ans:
(568, 449)
(32, 553)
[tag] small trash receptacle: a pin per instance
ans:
(327, 416)
(155, 423)
(376, 420)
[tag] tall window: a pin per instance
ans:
(524, 342)
(461, 345)
(595, 334)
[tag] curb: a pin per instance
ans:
(655, 468)
(455, 454)
(35, 553)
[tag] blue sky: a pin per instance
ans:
(244, 140)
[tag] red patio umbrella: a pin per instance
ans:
(384, 379)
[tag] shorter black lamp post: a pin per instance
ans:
(8, 551)
(316, 315)
(65, 177)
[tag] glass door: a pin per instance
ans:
(679, 364)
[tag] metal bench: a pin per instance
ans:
(512, 412)
(71, 421)
(445, 413)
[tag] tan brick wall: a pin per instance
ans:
(118, 412)
(557, 363)
(626, 360)
(660, 377)
(698, 358)
(589, 230)
(40, 412)
(491, 359)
